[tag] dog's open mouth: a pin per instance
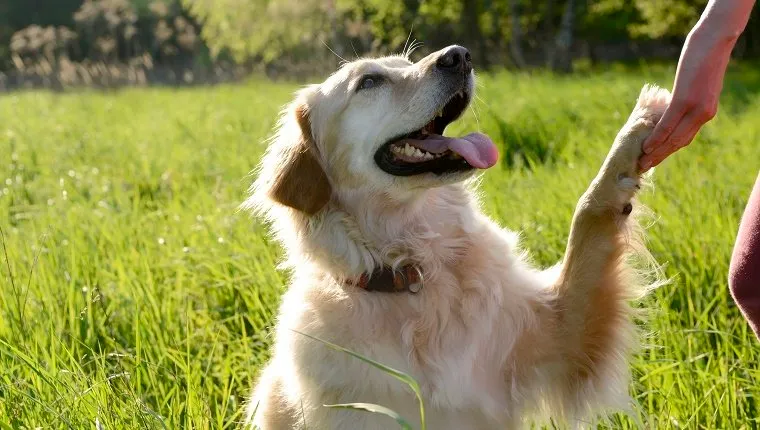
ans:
(428, 150)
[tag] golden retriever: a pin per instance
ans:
(392, 258)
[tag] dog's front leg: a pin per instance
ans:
(592, 314)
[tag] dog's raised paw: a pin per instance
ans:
(652, 102)
(620, 172)
(650, 106)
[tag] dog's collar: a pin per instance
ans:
(385, 279)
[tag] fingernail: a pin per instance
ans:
(646, 165)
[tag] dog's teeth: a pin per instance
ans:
(440, 113)
(427, 156)
(418, 153)
(408, 150)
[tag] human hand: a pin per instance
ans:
(699, 78)
(698, 83)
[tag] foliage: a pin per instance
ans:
(485, 26)
(34, 44)
(287, 36)
(110, 31)
(264, 28)
(135, 295)
(15, 15)
(667, 18)
(610, 19)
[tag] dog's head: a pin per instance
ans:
(376, 125)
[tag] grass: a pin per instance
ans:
(134, 295)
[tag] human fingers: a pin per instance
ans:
(665, 127)
(678, 140)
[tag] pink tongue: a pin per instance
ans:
(477, 148)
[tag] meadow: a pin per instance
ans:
(135, 294)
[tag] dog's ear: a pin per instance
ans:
(299, 180)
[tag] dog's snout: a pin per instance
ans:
(455, 59)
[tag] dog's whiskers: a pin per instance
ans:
(343, 60)
(481, 101)
(403, 51)
(475, 114)
(413, 47)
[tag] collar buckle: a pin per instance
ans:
(415, 285)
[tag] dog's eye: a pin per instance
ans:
(369, 81)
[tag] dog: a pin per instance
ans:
(392, 258)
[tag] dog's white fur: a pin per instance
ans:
(490, 339)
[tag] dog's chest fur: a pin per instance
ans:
(450, 337)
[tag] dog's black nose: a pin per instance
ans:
(455, 59)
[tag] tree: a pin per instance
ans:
(561, 59)
(515, 41)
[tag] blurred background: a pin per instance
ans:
(135, 295)
(60, 43)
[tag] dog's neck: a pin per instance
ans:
(357, 233)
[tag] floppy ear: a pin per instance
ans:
(299, 180)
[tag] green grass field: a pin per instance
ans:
(133, 294)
